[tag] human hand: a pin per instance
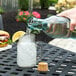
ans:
(71, 14)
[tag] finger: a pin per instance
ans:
(72, 24)
(72, 27)
(65, 13)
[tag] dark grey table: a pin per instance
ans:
(59, 60)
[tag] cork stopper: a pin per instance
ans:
(42, 66)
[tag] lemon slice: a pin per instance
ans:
(17, 35)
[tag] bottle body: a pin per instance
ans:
(53, 26)
(57, 27)
(26, 51)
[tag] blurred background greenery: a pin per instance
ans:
(53, 2)
(60, 5)
(44, 4)
(1, 10)
(23, 4)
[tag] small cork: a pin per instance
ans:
(42, 66)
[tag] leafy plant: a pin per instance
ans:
(23, 4)
(24, 15)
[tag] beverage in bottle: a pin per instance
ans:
(53, 26)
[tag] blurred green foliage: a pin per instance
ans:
(63, 5)
(1, 10)
(36, 4)
(53, 2)
(23, 4)
(44, 4)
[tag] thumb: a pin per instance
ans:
(64, 13)
(72, 27)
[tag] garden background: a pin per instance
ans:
(11, 7)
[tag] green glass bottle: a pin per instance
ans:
(54, 26)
